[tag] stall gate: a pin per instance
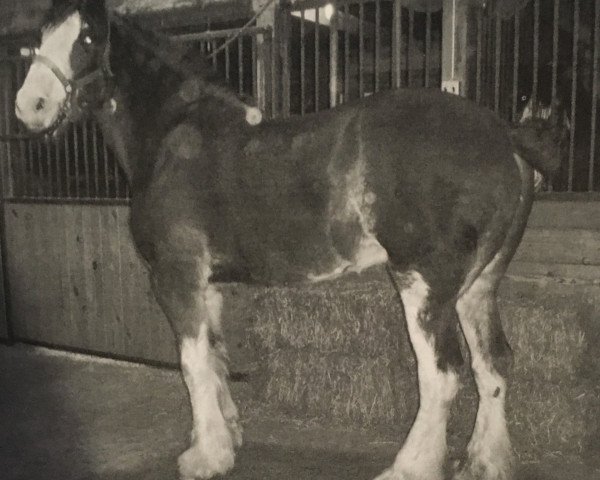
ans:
(345, 50)
(72, 276)
(540, 54)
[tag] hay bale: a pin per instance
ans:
(339, 351)
(552, 418)
(547, 342)
(341, 388)
(348, 317)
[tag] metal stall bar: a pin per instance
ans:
(96, 161)
(411, 42)
(317, 58)
(536, 55)
(284, 45)
(377, 44)
(497, 65)
(115, 173)
(515, 78)
(57, 156)
(86, 160)
(333, 58)
(240, 42)
(76, 160)
(25, 147)
(302, 62)
(594, 96)
(50, 146)
(8, 181)
(479, 61)
(361, 47)
(397, 44)
(213, 48)
(346, 54)
(67, 171)
(555, 48)
(40, 187)
(573, 94)
(427, 46)
(227, 64)
(254, 49)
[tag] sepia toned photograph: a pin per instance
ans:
(299, 239)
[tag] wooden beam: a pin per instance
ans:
(194, 16)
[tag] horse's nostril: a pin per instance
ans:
(40, 104)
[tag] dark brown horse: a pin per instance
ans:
(426, 182)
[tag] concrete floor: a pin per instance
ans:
(72, 417)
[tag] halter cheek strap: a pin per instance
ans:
(67, 84)
(71, 85)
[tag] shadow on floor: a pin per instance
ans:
(68, 417)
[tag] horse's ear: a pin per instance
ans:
(95, 9)
(59, 3)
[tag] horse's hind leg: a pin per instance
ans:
(489, 452)
(193, 306)
(431, 325)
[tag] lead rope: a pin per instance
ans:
(241, 30)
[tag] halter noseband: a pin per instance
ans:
(72, 87)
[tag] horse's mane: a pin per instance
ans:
(171, 63)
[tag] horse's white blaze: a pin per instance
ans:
(422, 456)
(41, 83)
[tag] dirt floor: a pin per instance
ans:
(73, 417)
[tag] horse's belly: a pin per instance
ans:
(368, 253)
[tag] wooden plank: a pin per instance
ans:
(66, 306)
(4, 330)
(78, 284)
(565, 246)
(562, 213)
(149, 334)
(112, 305)
(95, 291)
(20, 265)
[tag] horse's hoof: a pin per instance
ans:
(470, 470)
(195, 463)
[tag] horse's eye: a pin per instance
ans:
(523, 98)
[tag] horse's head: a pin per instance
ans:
(70, 73)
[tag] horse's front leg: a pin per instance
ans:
(193, 307)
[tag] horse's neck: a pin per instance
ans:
(136, 109)
(149, 101)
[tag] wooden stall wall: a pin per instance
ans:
(76, 281)
(4, 330)
(562, 240)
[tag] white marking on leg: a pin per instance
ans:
(424, 451)
(215, 431)
(489, 452)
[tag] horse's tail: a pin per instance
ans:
(495, 262)
(540, 143)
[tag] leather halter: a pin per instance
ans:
(73, 87)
